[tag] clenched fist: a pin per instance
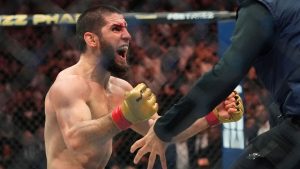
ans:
(233, 115)
(230, 110)
(139, 105)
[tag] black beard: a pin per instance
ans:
(108, 61)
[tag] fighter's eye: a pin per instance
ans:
(116, 29)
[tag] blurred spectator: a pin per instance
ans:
(262, 117)
(9, 148)
(7, 129)
(251, 128)
(210, 156)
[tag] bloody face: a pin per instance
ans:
(114, 43)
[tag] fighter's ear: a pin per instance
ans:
(90, 39)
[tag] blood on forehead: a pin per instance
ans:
(119, 21)
(121, 24)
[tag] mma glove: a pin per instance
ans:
(213, 117)
(139, 105)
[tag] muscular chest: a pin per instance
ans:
(103, 101)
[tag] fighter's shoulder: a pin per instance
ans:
(70, 85)
(120, 83)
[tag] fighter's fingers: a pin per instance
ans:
(232, 94)
(237, 97)
(147, 93)
(229, 100)
(137, 145)
(163, 161)
(151, 160)
(230, 105)
(141, 152)
(155, 107)
(152, 99)
(232, 110)
(141, 87)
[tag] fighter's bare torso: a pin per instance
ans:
(101, 101)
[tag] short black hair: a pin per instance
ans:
(92, 20)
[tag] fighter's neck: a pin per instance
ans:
(90, 68)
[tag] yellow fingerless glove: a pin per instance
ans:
(139, 105)
(235, 116)
(213, 117)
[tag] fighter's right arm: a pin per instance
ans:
(80, 132)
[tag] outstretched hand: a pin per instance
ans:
(229, 110)
(150, 143)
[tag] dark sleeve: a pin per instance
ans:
(253, 30)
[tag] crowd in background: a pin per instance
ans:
(167, 57)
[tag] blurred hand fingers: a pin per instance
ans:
(137, 145)
(141, 152)
(151, 160)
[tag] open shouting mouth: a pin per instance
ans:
(122, 53)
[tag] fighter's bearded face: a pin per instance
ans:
(114, 43)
